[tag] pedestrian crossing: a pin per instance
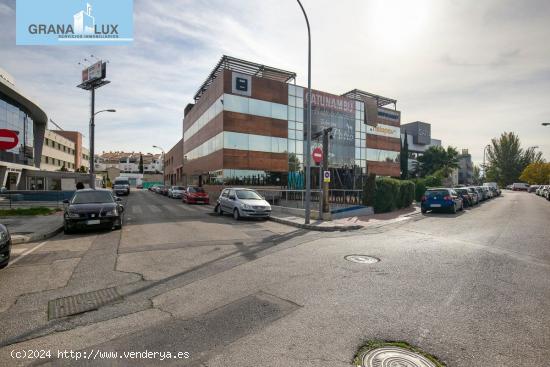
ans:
(175, 208)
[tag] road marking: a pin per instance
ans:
(154, 209)
(29, 251)
(137, 209)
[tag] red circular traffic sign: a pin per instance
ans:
(8, 139)
(317, 155)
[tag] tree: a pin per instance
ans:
(537, 173)
(507, 159)
(63, 168)
(82, 169)
(140, 167)
(438, 159)
(476, 177)
(404, 158)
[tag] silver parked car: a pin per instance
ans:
(175, 192)
(242, 203)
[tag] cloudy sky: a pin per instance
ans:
(471, 68)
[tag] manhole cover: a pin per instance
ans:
(81, 303)
(362, 259)
(394, 357)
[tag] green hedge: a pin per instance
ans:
(369, 191)
(423, 183)
(390, 194)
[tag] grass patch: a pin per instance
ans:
(27, 212)
(373, 344)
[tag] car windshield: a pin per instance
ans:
(462, 191)
(92, 197)
(196, 189)
(178, 188)
(433, 193)
(248, 195)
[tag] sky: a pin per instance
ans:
(472, 69)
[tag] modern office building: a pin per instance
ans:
(465, 168)
(419, 139)
(246, 126)
(22, 116)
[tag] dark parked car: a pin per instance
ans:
(441, 199)
(195, 195)
(90, 208)
(474, 195)
(120, 190)
(164, 190)
(467, 198)
(5, 246)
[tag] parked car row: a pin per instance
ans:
(188, 194)
(544, 191)
(456, 199)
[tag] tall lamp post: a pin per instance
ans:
(308, 121)
(92, 142)
(163, 165)
(484, 166)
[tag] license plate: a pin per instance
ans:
(93, 222)
(435, 205)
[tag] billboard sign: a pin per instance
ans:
(94, 72)
(338, 112)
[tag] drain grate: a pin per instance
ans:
(394, 356)
(362, 259)
(80, 303)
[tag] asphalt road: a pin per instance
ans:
(473, 289)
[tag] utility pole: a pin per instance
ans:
(326, 135)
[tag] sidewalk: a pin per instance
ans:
(33, 228)
(349, 224)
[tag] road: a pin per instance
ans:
(472, 288)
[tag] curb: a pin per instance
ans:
(316, 228)
(19, 239)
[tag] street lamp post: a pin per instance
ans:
(163, 165)
(92, 140)
(308, 122)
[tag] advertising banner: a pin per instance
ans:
(338, 112)
(384, 130)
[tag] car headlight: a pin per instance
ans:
(111, 213)
(3, 236)
(73, 215)
(246, 206)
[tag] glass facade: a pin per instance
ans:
(379, 155)
(246, 177)
(240, 141)
(13, 117)
(205, 118)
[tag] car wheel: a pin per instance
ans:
(462, 207)
(453, 210)
(3, 266)
(423, 211)
(218, 210)
(118, 224)
(66, 229)
(236, 214)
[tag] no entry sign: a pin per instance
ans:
(8, 139)
(317, 155)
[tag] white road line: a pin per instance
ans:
(154, 209)
(136, 209)
(31, 250)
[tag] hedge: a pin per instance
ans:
(369, 191)
(423, 183)
(389, 194)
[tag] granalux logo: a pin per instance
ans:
(74, 22)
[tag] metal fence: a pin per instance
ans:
(28, 199)
(296, 198)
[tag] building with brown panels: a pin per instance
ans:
(246, 126)
(81, 154)
(173, 163)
